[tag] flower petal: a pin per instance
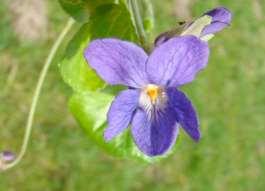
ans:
(221, 18)
(121, 112)
(154, 136)
(117, 61)
(177, 61)
(185, 112)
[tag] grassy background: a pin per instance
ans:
(229, 96)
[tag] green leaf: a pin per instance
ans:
(90, 110)
(74, 68)
(82, 9)
(107, 21)
(113, 21)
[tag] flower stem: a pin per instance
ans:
(138, 22)
(36, 95)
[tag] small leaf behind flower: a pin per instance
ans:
(74, 69)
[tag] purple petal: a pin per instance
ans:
(154, 136)
(120, 113)
(221, 18)
(177, 61)
(185, 112)
(117, 61)
(220, 14)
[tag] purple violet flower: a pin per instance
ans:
(7, 156)
(219, 18)
(152, 105)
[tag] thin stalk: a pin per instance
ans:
(134, 6)
(36, 96)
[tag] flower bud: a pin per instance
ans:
(7, 156)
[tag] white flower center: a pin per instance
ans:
(153, 97)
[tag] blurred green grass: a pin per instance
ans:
(229, 96)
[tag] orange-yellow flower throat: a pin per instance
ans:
(152, 96)
(153, 92)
